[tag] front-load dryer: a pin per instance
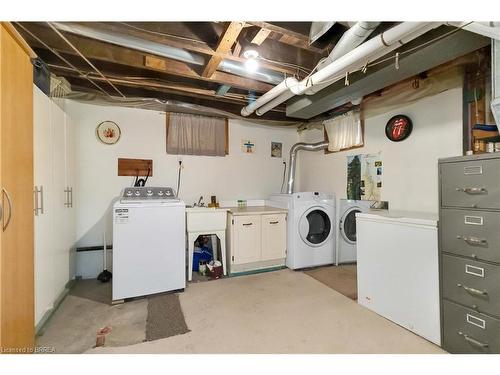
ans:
(346, 246)
(310, 228)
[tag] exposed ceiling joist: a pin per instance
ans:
(144, 92)
(184, 70)
(281, 30)
(100, 51)
(190, 45)
(226, 41)
(153, 84)
(261, 35)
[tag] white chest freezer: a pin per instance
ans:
(398, 269)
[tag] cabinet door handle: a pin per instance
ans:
(35, 193)
(472, 340)
(37, 201)
(71, 197)
(273, 222)
(9, 201)
(472, 190)
(41, 199)
(67, 202)
(473, 240)
(473, 290)
(247, 224)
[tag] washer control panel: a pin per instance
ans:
(146, 192)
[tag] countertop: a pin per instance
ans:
(206, 209)
(256, 210)
(408, 217)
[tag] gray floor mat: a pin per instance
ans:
(93, 290)
(165, 317)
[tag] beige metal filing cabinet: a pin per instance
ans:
(469, 235)
(256, 238)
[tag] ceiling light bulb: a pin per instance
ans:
(251, 65)
(250, 54)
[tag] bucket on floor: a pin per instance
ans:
(215, 269)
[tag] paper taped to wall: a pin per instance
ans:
(364, 177)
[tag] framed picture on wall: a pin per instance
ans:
(276, 149)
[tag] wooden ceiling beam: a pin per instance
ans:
(261, 35)
(190, 45)
(281, 30)
(167, 87)
(184, 70)
(96, 50)
(285, 36)
(227, 39)
(83, 85)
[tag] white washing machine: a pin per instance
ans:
(346, 226)
(310, 228)
(149, 242)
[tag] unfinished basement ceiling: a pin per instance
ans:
(201, 64)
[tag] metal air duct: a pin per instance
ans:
(293, 159)
(239, 69)
(159, 49)
(132, 42)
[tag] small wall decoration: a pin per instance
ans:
(276, 148)
(364, 177)
(398, 128)
(248, 146)
(108, 132)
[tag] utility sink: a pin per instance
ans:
(206, 219)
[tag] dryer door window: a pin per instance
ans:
(348, 225)
(315, 227)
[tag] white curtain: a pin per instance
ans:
(344, 131)
(195, 135)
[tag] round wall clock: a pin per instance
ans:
(108, 132)
(398, 128)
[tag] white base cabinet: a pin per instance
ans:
(55, 229)
(255, 240)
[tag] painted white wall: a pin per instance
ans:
(410, 169)
(236, 176)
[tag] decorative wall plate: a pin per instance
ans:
(398, 128)
(108, 132)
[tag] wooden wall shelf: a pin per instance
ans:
(135, 167)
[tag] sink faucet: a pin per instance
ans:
(200, 202)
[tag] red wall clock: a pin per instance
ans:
(398, 128)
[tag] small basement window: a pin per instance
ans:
(344, 132)
(197, 135)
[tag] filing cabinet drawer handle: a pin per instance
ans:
(473, 190)
(473, 240)
(247, 224)
(273, 222)
(473, 290)
(472, 340)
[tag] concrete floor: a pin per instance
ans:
(278, 312)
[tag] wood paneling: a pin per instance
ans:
(135, 167)
(16, 160)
